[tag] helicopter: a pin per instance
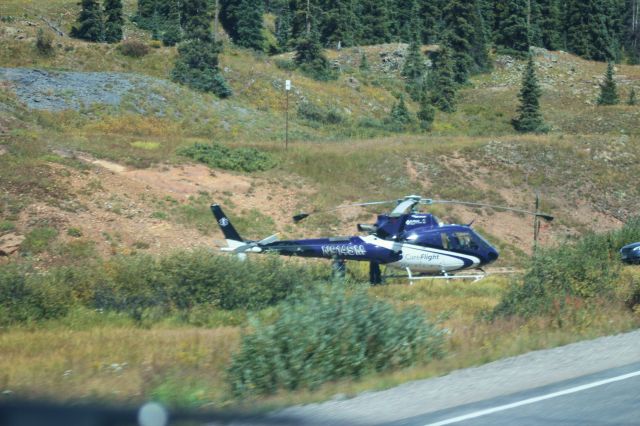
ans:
(405, 239)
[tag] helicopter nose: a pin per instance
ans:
(492, 255)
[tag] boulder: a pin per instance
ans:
(10, 243)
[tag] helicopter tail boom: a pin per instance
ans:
(234, 240)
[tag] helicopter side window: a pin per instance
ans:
(445, 240)
(463, 240)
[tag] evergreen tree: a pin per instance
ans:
(632, 97)
(549, 21)
(609, 89)
(242, 19)
(466, 37)
(144, 14)
(590, 29)
(364, 63)
(172, 31)
(443, 84)
(400, 116)
(512, 28)
(90, 23)
(310, 58)
(375, 21)
(529, 119)
(431, 13)
(427, 113)
(283, 27)
(197, 62)
(113, 21)
(339, 23)
(631, 30)
(406, 22)
(414, 70)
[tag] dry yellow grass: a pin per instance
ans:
(127, 365)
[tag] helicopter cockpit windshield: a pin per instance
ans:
(460, 240)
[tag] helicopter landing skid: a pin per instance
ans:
(442, 276)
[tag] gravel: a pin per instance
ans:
(64, 90)
(469, 385)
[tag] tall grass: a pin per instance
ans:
(561, 278)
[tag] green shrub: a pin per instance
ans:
(285, 64)
(312, 112)
(44, 41)
(239, 159)
(74, 232)
(133, 48)
(325, 334)
(39, 239)
(6, 226)
(585, 269)
(26, 296)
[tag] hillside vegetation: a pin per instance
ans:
(115, 291)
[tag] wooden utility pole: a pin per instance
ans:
(287, 89)
(536, 224)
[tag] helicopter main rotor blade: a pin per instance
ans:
(545, 216)
(297, 218)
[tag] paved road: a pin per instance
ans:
(611, 397)
(505, 382)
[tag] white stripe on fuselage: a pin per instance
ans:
(423, 259)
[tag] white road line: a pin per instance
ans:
(534, 400)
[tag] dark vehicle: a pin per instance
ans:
(631, 253)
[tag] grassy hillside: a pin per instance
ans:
(93, 185)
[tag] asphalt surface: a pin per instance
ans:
(611, 397)
(506, 381)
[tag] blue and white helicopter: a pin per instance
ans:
(405, 239)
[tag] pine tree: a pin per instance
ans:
(529, 119)
(512, 28)
(466, 37)
(113, 21)
(590, 29)
(375, 21)
(364, 63)
(406, 22)
(631, 30)
(144, 14)
(609, 89)
(431, 13)
(400, 116)
(427, 113)
(550, 23)
(242, 19)
(197, 62)
(90, 23)
(632, 97)
(414, 70)
(172, 31)
(310, 58)
(339, 23)
(283, 27)
(443, 84)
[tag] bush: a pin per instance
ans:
(238, 159)
(326, 334)
(44, 41)
(285, 64)
(133, 48)
(39, 239)
(586, 269)
(312, 112)
(26, 296)
(148, 289)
